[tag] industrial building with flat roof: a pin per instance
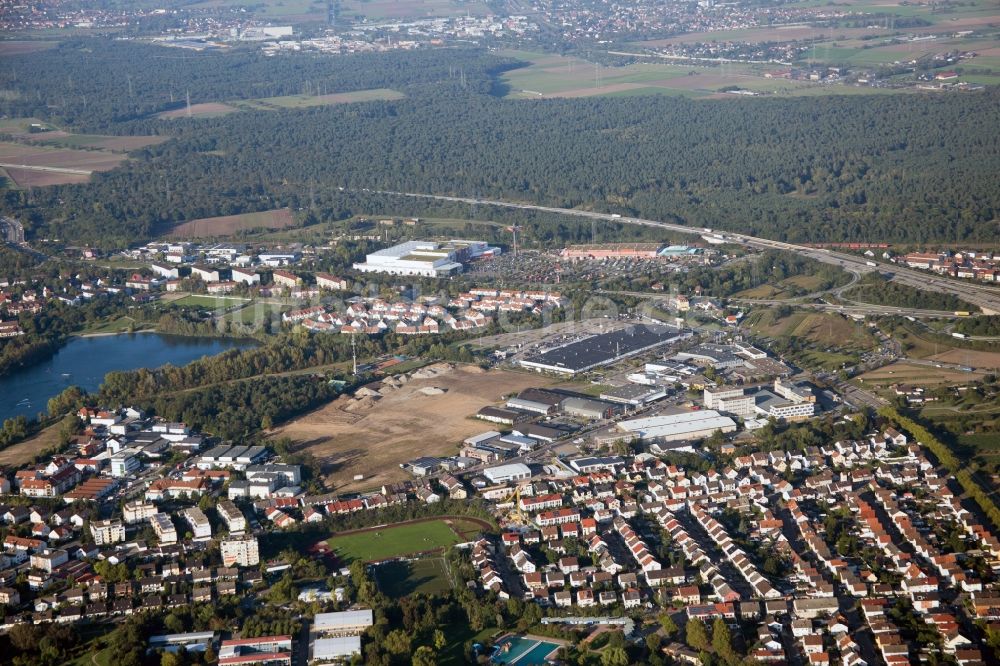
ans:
(344, 623)
(505, 473)
(603, 349)
(679, 427)
(425, 258)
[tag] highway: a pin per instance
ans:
(985, 297)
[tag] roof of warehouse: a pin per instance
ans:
(604, 347)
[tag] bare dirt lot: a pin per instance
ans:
(373, 434)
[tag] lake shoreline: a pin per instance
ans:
(85, 361)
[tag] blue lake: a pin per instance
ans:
(84, 362)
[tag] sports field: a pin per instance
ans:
(373, 545)
(401, 578)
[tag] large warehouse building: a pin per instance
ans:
(679, 427)
(425, 258)
(603, 349)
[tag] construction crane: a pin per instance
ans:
(515, 515)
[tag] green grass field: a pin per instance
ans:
(257, 312)
(424, 576)
(306, 101)
(208, 302)
(397, 541)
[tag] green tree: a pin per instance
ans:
(696, 635)
(722, 640)
(614, 656)
(668, 624)
(398, 641)
(424, 656)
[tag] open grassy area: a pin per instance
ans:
(221, 108)
(118, 325)
(394, 541)
(306, 101)
(208, 302)
(424, 576)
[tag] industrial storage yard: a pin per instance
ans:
(423, 413)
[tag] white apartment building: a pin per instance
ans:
(138, 512)
(232, 516)
(107, 531)
(241, 552)
(200, 527)
(164, 528)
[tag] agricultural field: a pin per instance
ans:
(983, 360)
(371, 435)
(35, 165)
(387, 542)
(550, 75)
(306, 101)
(402, 578)
(16, 47)
(381, 10)
(289, 11)
(229, 225)
(21, 128)
(902, 372)
(215, 109)
(203, 110)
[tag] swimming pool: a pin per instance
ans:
(523, 651)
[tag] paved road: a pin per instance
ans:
(857, 308)
(987, 298)
(11, 230)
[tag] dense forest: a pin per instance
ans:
(899, 168)
(96, 85)
(237, 409)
